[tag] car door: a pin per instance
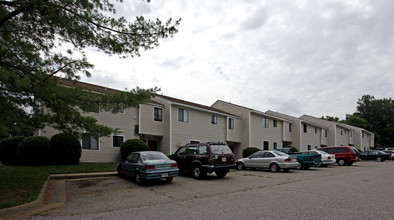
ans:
(179, 157)
(190, 156)
(131, 164)
(266, 160)
(254, 160)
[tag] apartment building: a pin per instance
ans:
(260, 130)
(305, 135)
(345, 135)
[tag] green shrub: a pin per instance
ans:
(248, 151)
(9, 150)
(132, 145)
(34, 151)
(64, 148)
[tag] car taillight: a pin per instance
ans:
(174, 165)
(329, 158)
(287, 159)
(149, 167)
(312, 157)
(210, 160)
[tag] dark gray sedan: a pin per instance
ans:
(148, 165)
(269, 159)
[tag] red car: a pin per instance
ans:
(343, 154)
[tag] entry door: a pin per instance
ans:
(152, 145)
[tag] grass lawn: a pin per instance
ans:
(22, 184)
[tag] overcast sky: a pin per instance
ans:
(295, 57)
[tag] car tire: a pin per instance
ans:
(138, 179)
(240, 166)
(274, 167)
(198, 172)
(300, 166)
(378, 159)
(307, 167)
(120, 172)
(341, 162)
(169, 179)
(221, 173)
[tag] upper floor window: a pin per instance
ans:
(275, 145)
(231, 123)
(290, 127)
(90, 142)
(158, 114)
(117, 141)
(275, 122)
(305, 128)
(183, 115)
(315, 130)
(325, 133)
(341, 131)
(214, 119)
(266, 122)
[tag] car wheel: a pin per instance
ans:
(341, 162)
(169, 179)
(120, 172)
(307, 167)
(378, 159)
(300, 165)
(138, 179)
(198, 173)
(274, 167)
(221, 173)
(240, 166)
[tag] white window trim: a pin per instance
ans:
(162, 115)
(98, 145)
(188, 115)
(112, 140)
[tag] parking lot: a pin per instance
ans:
(361, 191)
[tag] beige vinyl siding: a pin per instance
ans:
(235, 135)
(259, 133)
(310, 137)
(147, 123)
(199, 127)
(106, 153)
(343, 136)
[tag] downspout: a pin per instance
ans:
(170, 129)
(249, 131)
(139, 120)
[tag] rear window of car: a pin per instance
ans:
(220, 149)
(280, 153)
(154, 156)
(354, 150)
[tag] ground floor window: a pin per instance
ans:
(117, 141)
(90, 142)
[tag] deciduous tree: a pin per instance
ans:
(33, 35)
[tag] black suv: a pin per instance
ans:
(200, 159)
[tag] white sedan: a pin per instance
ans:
(326, 158)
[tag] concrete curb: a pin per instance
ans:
(8, 212)
(28, 206)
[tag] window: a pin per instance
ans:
(231, 123)
(266, 122)
(315, 130)
(275, 145)
(275, 123)
(265, 145)
(202, 149)
(363, 135)
(305, 128)
(89, 142)
(191, 150)
(290, 127)
(309, 147)
(214, 119)
(117, 141)
(183, 115)
(269, 154)
(325, 133)
(341, 131)
(158, 114)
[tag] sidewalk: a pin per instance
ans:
(52, 195)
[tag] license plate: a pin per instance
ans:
(224, 159)
(164, 175)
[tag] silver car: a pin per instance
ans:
(269, 159)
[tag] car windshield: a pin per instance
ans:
(280, 153)
(220, 149)
(153, 156)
